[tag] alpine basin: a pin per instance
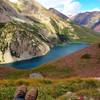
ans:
(55, 53)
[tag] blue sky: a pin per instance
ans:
(72, 7)
(89, 4)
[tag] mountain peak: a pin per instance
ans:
(58, 13)
(88, 19)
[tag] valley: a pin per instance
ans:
(44, 48)
(66, 77)
(25, 35)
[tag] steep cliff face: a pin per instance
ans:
(96, 26)
(19, 41)
(28, 30)
(89, 19)
(21, 37)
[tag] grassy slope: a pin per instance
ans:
(85, 34)
(74, 65)
(52, 89)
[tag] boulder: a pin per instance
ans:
(36, 75)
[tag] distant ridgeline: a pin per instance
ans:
(89, 19)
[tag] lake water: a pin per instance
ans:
(55, 53)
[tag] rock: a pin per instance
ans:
(70, 95)
(36, 75)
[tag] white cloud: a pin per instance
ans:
(14, 1)
(67, 7)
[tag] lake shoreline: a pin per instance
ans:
(78, 46)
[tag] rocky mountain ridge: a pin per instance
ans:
(89, 19)
(58, 13)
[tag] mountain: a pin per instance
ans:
(28, 30)
(89, 19)
(58, 13)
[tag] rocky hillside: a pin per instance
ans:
(58, 13)
(27, 30)
(89, 19)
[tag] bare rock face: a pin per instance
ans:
(96, 26)
(20, 42)
(6, 11)
(4, 18)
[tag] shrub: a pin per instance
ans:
(86, 56)
(99, 45)
(89, 84)
(2, 25)
(21, 82)
(7, 93)
(59, 90)
(62, 89)
(88, 92)
(47, 81)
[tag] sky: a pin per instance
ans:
(72, 7)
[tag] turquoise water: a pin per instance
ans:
(55, 53)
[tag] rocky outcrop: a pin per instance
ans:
(58, 13)
(36, 75)
(18, 43)
(6, 11)
(96, 26)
